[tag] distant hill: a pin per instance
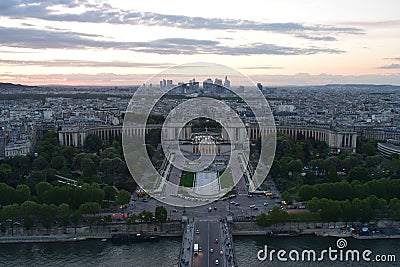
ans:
(15, 85)
(360, 85)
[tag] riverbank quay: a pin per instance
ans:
(384, 230)
(375, 230)
(72, 234)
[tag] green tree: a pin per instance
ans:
(307, 192)
(23, 193)
(64, 214)
(262, 220)
(89, 208)
(350, 213)
(277, 215)
(48, 215)
(359, 173)
(332, 173)
(7, 194)
(331, 211)
(145, 216)
(41, 190)
(5, 172)
(28, 210)
(394, 205)
(75, 218)
(287, 197)
(110, 153)
(161, 214)
(110, 193)
(40, 163)
(88, 167)
(123, 197)
(367, 149)
(93, 143)
(58, 162)
(68, 153)
(132, 219)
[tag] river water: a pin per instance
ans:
(165, 252)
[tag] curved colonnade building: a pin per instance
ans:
(337, 141)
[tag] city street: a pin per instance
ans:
(208, 232)
(219, 208)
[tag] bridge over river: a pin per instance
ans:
(207, 243)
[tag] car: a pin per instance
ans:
(215, 208)
(174, 210)
(209, 209)
(252, 206)
(265, 203)
(197, 231)
(232, 202)
(216, 262)
(216, 240)
(236, 204)
(255, 208)
(211, 250)
(17, 224)
(221, 252)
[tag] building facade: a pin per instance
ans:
(337, 141)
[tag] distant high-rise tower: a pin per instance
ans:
(259, 85)
(169, 84)
(218, 81)
(227, 83)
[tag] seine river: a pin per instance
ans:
(165, 252)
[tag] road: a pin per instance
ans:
(209, 231)
(223, 207)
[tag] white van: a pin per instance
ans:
(196, 249)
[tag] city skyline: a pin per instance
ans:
(272, 42)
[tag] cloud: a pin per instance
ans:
(102, 12)
(45, 39)
(391, 66)
(324, 78)
(34, 38)
(316, 38)
(83, 63)
(186, 22)
(76, 79)
(260, 68)
(393, 58)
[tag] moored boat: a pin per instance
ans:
(283, 233)
(139, 237)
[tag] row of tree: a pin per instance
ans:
(307, 161)
(74, 196)
(328, 210)
(382, 188)
(363, 210)
(33, 214)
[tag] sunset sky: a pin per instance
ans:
(123, 42)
